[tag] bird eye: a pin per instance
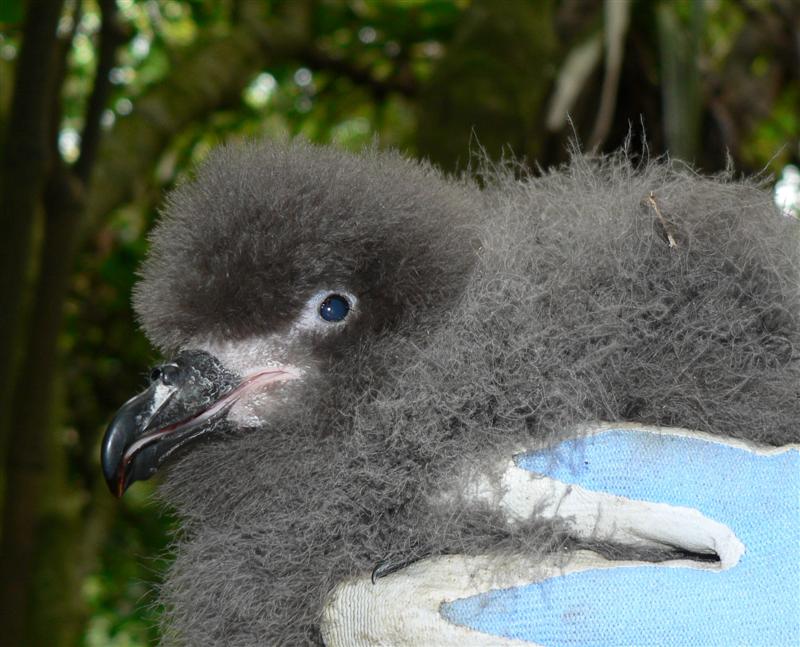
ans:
(334, 308)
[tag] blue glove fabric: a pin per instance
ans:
(756, 602)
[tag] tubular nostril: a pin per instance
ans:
(167, 374)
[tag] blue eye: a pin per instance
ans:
(334, 308)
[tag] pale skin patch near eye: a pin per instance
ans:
(275, 351)
(272, 350)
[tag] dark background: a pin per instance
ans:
(105, 104)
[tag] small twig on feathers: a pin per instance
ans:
(668, 228)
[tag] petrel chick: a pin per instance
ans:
(352, 336)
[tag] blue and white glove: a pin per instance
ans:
(625, 484)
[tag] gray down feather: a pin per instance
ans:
(494, 312)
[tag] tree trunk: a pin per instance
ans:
(21, 181)
(22, 178)
(35, 448)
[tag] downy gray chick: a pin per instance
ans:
(352, 334)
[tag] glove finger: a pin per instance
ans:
(637, 604)
(665, 466)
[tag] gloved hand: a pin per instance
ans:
(629, 485)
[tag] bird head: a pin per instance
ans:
(274, 274)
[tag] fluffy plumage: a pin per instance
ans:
(487, 319)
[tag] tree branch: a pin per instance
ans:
(111, 37)
(61, 67)
(617, 19)
(402, 83)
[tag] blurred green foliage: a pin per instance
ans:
(121, 594)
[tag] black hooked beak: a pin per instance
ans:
(186, 399)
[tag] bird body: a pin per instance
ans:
(380, 334)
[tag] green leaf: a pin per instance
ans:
(11, 12)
